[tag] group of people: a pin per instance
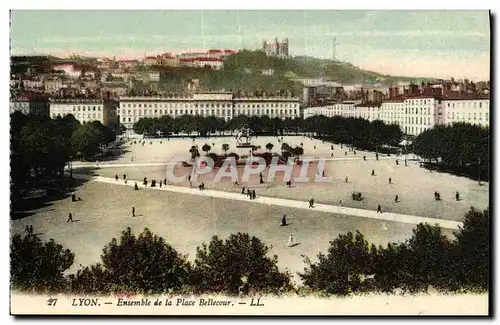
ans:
(250, 193)
(29, 230)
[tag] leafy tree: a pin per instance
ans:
(37, 266)
(194, 152)
(221, 265)
(206, 147)
(86, 140)
(472, 251)
(225, 147)
(269, 146)
(342, 269)
(137, 264)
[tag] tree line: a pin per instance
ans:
(359, 132)
(458, 147)
(40, 147)
(240, 264)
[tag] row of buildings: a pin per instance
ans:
(413, 114)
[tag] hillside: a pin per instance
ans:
(243, 71)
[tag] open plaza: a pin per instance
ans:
(186, 219)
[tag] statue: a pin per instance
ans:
(243, 137)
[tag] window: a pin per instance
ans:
(141, 106)
(156, 105)
(480, 105)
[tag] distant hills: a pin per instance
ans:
(253, 70)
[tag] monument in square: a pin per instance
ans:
(243, 138)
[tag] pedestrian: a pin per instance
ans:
(124, 176)
(249, 193)
(396, 198)
(346, 153)
(202, 186)
(457, 196)
(199, 187)
(406, 162)
(376, 155)
(283, 221)
(340, 203)
(243, 190)
(165, 181)
(189, 180)
(390, 180)
(311, 203)
(160, 183)
(314, 147)
(254, 196)
(332, 154)
(397, 162)
(116, 177)
(31, 230)
(70, 217)
(364, 158)
(323, 174)
(379, 209)
(331, 147)
(291, 241)
(373, 172)
(136, 187)
(347, 179)
(133, 211)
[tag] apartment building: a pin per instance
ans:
(223, 104)
(469, 110)
(85, 109)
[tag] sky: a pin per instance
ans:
(439, 44)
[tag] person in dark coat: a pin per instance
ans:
(311, 203)
(457, 196)
(390, 180)
(70, 217)
(373, 172)
(136, 187)
(243, 190)
(396, 199)
(283, 221)
(379, 209)
(116, 177)
(253, 195)
(133, 211)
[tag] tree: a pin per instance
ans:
(221, 265)
(472, 251)
(194, 152)
(86, 140)
(145, 264)
(206, 147)
(225, 147)
(341, 270)
(37, 266)
(269, 146)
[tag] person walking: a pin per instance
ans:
(291, 241)
(124, 176)
(254, 196)
(347, 179)
(189, 180)
(136, 187)
(396, 199)
(133, 211)
(116, 177)
(283, 221)
(390, 180)
(379, 209)
(70, 217)
(457, 196)
(243, 190)
(31, 230)
(249, 193)
(397, 162)
(373, 172)
(311, 203)
(202, 186)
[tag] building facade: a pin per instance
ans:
(85, 110)
(473, 111)
(29, 105)
(276, 48)
(222, 105)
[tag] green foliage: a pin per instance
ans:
(221, 265)
(472, 250)
(461, 146)
(37, 266)
(427, 259)
(206, 147)
(86, 140)
(143, 264)
(340, 270)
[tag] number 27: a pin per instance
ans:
(52, 302)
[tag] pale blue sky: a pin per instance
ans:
(413, 43)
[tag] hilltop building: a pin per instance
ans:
(276, 48)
